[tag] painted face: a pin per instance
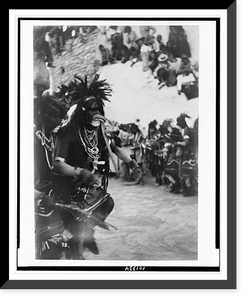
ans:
(92, 108)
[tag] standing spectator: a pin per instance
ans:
(147, 31)
(116, 42)
(177, 43)
(145, 49)
(130, 37)
(187, 66)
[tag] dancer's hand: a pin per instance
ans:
(84, 178)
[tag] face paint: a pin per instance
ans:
(92, 110)
(95, 123)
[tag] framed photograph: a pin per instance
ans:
(122, 173)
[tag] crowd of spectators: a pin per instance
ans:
(169, 63)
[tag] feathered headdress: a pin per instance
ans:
(79, 90)
(185, 118)
(81, 95)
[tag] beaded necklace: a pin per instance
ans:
(89, 141)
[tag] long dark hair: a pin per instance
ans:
(152, 125)
(48, 111)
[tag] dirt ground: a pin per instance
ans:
(152, 223)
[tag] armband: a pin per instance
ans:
(59, 159)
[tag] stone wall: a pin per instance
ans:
(78, 57)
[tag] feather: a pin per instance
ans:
(80, 89)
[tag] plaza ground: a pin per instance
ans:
(152, 223)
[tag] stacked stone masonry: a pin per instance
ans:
(77, 58)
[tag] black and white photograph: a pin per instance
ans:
(116, 142)
(119, 131)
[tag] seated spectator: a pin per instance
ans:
(195, 69)
(162, 71)
(153, 60)
(134, 55)
(125, 53)
(140, 43)
(119, 51)
(161, 47)
(187, 84)
(165, 72)
(174, 62)
(151, 41)
(185, 65)
(105, 55)
(116, 42)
